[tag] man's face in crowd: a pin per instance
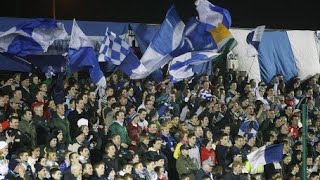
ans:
(28, 115)
(153, 129)
(14, 124)
(198, 132)
(18, 94)
(80, 104)
(239, 142)
(109, 92)
(92, 96)
(250, 110)
(224, 140)
(238, 169)
(192, 140)
(130, 92)
(85, 98)
(132, 111)
(226, 130)
(271, 114)
(289, 110)
(195, 120)
(88, 169)
(44, 87)
(73, 91)
(157, 145)
(120, 117)
(116, 140)
(60, 109)
(25, 83)
(85, 153)
(143, 115)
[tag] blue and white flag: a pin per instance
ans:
(31, 37)
(164, 42)
(81, 54)
(253, 39)
(212, 15)
(265, 155)
(244, 127)
(116, 50)
(182, 66)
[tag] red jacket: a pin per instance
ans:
(133, 132)
(206, 154)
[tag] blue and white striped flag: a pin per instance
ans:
(81, 54)
(265, 155)
(118, 52)
(164, 42)
(181, 67)
(31, 37)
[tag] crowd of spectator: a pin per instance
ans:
(200, 129)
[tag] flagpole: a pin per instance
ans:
(21, 59)
(54, 9)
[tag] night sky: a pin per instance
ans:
(280, 14)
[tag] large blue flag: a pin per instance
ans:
(164, 42)
(31, 37)
(115, 50)
(182, 66)
(209, 33)
(82, 56)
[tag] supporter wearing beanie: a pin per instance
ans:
(16, 170)
(133, 128)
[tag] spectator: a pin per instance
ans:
(186, 165)
(205, 170)
(118, 128)
(236, 173)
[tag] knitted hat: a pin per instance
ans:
(134, 115)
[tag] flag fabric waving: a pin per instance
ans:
(113, 49)
(265, 155)
(181, 67)
(81, 54)
(212, 15)
(31, 37)
(164, 42)
(253, 39)
(118, 52)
